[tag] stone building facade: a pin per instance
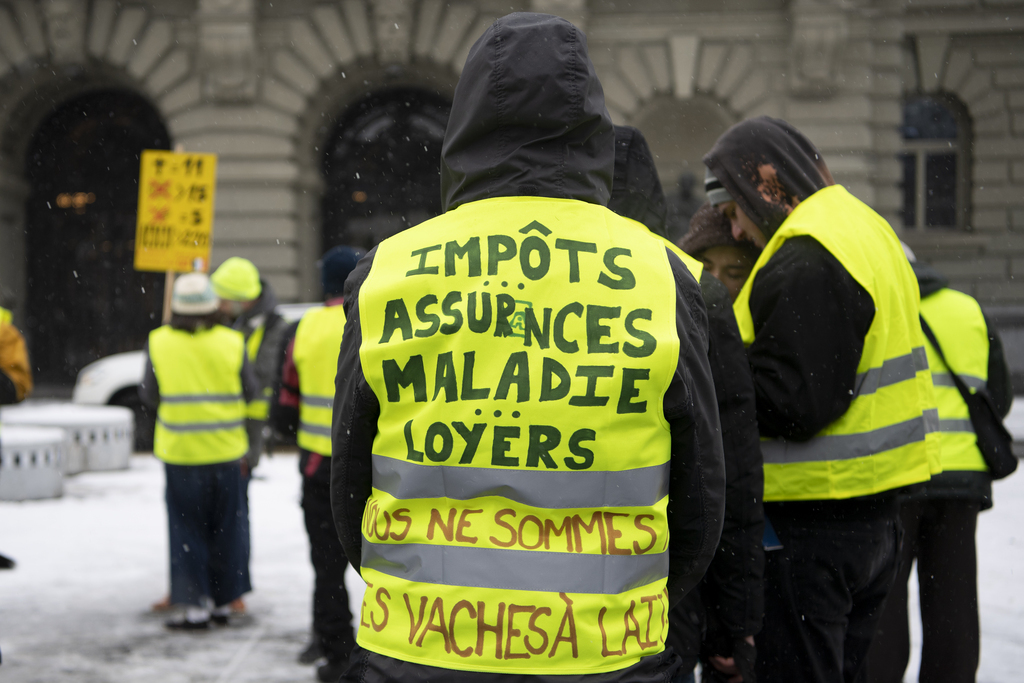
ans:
(262, 84)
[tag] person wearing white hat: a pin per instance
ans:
(199, 381)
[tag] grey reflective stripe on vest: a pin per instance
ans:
(314, 429)
(849, 446)
(956, 426)
(892, 371)
(201, 426)
(944, 379)
(317, 401)
(201, 398)
(406, 480)
(524, 570)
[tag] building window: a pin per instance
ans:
(936, 181)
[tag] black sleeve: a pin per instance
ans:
(810, 320)
(8, 392)
(250, 385)
(696, 498)
(732, 589)
(1000, 385)
(284, 419)
(149, 390)
(354, 426)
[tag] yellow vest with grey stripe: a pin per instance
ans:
(520, 349)
(888, 437)
(959, 325)
(317, 343)
(259, 407)
(201, 418)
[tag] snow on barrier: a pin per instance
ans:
(98, 437)
(31, 460)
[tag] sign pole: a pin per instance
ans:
(168, 294)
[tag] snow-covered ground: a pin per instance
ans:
(90, 564)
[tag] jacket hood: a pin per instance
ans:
(928, 279)
(636, 189)
(528, 117)
(265, 305)
(768, 167)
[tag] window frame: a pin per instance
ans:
(919, 150)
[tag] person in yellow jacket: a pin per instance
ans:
(303, 408)
(15, 376)
(199, 381)
(527, 464)
(844, 398)
(940, 518)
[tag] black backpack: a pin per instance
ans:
(994, 442)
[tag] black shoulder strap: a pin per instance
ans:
(961, 387)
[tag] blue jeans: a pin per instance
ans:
(208, 544)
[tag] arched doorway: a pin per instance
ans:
(85, 300)
(381, 166)
(679, 133)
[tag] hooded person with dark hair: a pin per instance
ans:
(710, 241)
(527, 460)
(829, 316)
(719, 620)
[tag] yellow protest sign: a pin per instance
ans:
(174, 229)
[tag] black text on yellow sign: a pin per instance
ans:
(174, 229)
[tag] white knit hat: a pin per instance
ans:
(193, 295)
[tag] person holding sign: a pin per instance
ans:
(716, 623)
(199, 380)
(830, 319)
(527, 465)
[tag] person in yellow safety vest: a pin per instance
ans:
(303, 407)
(844, 396)
(15, 376)
(940, 518)
(715, 623)
(247, 304)
(527, 466)
(198, 379)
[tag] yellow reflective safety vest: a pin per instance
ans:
(888, 437)
(258, 408)
(201, 418)
(5, 316)
(315, 352)
(959, 326)
(520, 348)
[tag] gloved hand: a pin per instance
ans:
(739, 668)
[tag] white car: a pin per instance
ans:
(115, 380)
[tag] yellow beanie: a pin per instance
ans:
(237, 279)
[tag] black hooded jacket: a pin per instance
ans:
(732, 590)
(960, 484)
(528, 119)
(810, 315)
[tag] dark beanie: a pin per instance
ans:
(335, 267)
(709, 228)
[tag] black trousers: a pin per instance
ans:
(940, 536)
(206, 533)
(332, 618)
(825, 588)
